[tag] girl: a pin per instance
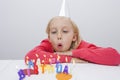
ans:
(64, 43)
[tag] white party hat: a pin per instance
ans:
(64, 11)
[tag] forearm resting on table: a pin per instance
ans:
(69, 53)
(78, 60)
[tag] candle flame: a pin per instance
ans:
(27, 57)
(49, 60)
(58, 58)
(66, 59)
(42, 61)
(51, 56)
(36, 55)
(44, 55)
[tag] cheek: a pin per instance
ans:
(68, 40)
(52, 39)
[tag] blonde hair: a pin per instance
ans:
(75, 29)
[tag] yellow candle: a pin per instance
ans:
(43, 66)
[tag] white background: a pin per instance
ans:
(23, 23)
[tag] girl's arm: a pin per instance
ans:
(105, 56)
(94, 54)
(45, 53)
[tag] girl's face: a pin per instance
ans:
(61, 34)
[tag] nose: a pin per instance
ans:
(59, 36)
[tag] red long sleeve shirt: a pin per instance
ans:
(85, 51)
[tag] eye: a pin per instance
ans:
(54, 32)
(65, 31)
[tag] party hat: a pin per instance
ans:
(64, 11)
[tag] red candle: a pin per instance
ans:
(35, 69)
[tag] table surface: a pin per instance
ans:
(81, 71)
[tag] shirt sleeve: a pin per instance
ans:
(99, 55)
(45, 53)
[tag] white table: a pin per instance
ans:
(83, 71)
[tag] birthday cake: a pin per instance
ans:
(40, 71)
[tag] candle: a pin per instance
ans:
(43, 66)
(66, 59)
(28, 72)
(36, 69)
(58, 58)
(45, 59)
(52, 59)
(38, 63)
(21, 74)
(27, 59)
(30, 63)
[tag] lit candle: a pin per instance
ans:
(35, 69)
(21, 74)
(52, 59)
(43, 66)
(66, 60)
(38, 63)
(28, 72)
(58, 58)
(30, 63)
(45, 59)
(27, 59)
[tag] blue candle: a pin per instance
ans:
(30, 63)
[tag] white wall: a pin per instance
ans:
(23, 23)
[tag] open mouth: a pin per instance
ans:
(59, 45)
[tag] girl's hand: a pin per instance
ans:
(68, 53)
(78, 60)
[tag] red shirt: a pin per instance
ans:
(85, 51)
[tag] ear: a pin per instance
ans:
(75, 37)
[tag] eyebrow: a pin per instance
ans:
(53, 29)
